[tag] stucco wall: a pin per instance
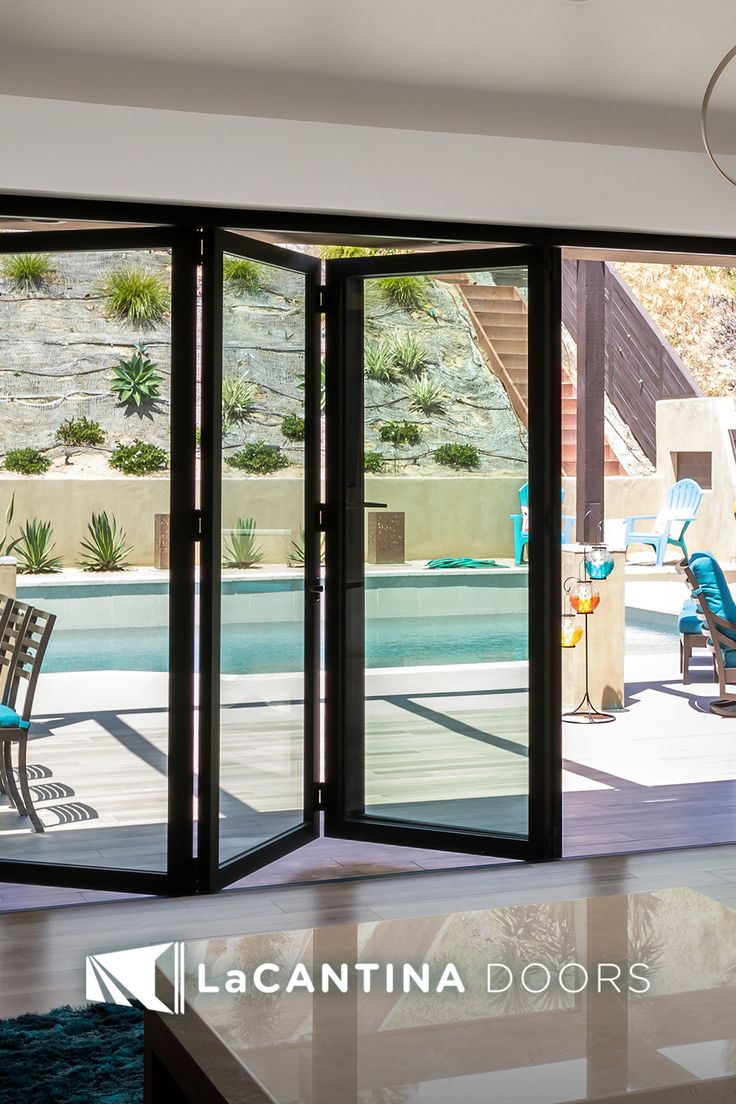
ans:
(702, 425)
(445, 516)
(450, 516)
(683, 425)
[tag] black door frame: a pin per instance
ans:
(179, 874)
(186, 223)
(213, 875)
(345, 670)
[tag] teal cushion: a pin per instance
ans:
(714, 588)
(689, 622)
(10, 719)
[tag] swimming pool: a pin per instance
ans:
(276, 646)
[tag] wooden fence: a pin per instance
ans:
(640, 364)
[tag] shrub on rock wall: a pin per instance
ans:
(242, 274)
(258, 458)
(28, 271)
(373, 462)
(293, 427)
(406, 292)
(80, 431)
(27, 461)
(457, 456)
(135, 294)
(400, 433)
(139, 458)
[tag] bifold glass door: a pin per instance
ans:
(163, 396)
(259, 587)
(442, 529)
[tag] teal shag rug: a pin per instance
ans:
(90, 1055)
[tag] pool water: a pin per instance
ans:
(261, 647)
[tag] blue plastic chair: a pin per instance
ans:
(521, 538)
(679, 510)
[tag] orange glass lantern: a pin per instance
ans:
(571, 630)
(584, 598)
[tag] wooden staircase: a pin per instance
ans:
(611, 464)
(499, 317)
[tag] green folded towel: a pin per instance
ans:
(463, 561)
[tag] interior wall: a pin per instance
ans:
(65, 148)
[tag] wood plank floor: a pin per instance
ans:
(42, 952)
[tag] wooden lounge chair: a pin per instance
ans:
(714, 601)
(23, 644)
(692, 636)
(670, 524)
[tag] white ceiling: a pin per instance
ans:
(628, 72)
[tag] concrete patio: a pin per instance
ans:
(445, 745)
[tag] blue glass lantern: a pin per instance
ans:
(599, 562)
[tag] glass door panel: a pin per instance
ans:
(98, 398)
(263, 427)
(431, 590)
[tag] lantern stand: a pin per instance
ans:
(585, 712)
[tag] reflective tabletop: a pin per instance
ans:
(611, 998)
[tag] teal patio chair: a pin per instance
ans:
(717, 612)
(521, 524)
(679, 510)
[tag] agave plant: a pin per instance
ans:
(408, 353)
(296, 556)
(378, 362)
(35, 549)
(426, 394)
(136, 381)
(105, 548)
(241, 549)
(7, 546)
(238, 400)
(322, 384)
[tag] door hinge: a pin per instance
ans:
(322, 518)
(324, 298)
(319, 796)
(197, 525)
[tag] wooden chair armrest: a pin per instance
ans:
(721, 623)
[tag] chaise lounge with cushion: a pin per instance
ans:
(717, 611)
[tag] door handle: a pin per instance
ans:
(375, 505)
(316, 590)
